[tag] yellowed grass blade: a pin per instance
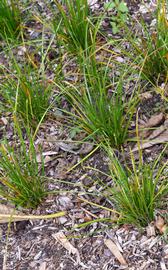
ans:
(9, 214)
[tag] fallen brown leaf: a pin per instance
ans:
(114, 249)
(163, 138)
(146, 96)
(160, 224)
(156, 136)
(147, 128)
(155, 120)
(62, 239)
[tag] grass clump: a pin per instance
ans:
(21, 177)
(28, 94)
(9, 19)
(101, 107)
(76, 29)
(137, 192)
(151, 47)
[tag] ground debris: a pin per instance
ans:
(115, 251)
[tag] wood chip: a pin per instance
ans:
(162, 265)
(4, 121)
(150, 230)
(43, 266)
(115, 251)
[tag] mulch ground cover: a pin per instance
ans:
(61, 243)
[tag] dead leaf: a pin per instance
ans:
(157, 136)
(4, 209)
(46, 156)
(163, 138)
(163, 265)
(166, 90)
(165, 251)
(62, 239)
(1, 232)
(68, 147)
(86, 148)
(75, 148)
(114, 249)
(146, 96)
(155, 120)
(47, 159)
(157, 132)
(160, 224)
(147, 128)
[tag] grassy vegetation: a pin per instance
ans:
(121, 10)
(99, 103)
(28, 94)
(21, 176)
(150, 47)
(138, 190)
(76, 30)
(10, 20)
